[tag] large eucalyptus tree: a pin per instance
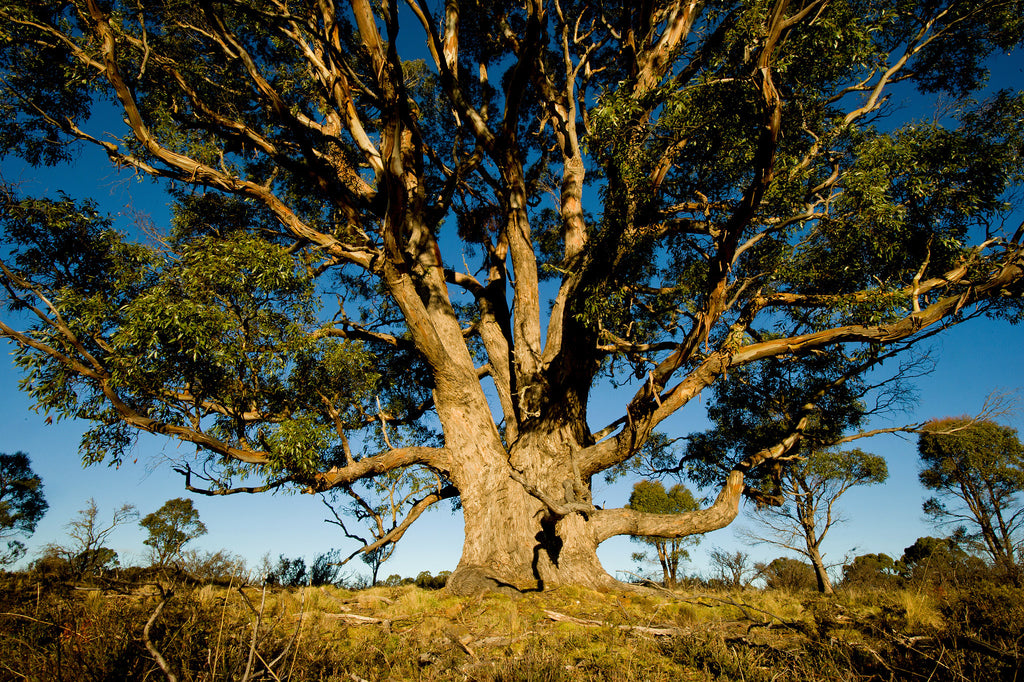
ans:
(424, 235)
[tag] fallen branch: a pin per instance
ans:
(171, 677)
(657, 632)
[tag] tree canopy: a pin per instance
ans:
(22, 503)
(977, 472)
(428, 235)
(170, 528)
(651, 496)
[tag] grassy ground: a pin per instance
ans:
(406, 633)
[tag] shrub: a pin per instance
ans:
(288, 572)
(870, 570)
(788, 574)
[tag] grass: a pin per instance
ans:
(407, 633)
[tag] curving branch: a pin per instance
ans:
(187, 472)
(392, 536)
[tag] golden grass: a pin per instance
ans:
(396, 633)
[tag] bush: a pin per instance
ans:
(788, 574)
(288, 572)
(220, 567)
(986, 623)
(939, 561)
(870, 570)
(427, 581)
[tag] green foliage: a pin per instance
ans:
(425, 580)
(170, 528)
(288, 572)
(938, 560)
(22, 503)
(977, 472)
(651, 497)
(325, 569)
(785, 573)
(870, 570)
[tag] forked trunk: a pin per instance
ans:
(515, 544)
(513, 541)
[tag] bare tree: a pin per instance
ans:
(86, 550)
(732, 568)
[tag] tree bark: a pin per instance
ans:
(824, 584)
(515, 542)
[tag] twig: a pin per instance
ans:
(220, 629)
(255, 629)
(171, 677)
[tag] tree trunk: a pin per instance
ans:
(513, 543)
(668, 566)
(513, 540)
(824, 584)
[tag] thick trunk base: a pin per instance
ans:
(516, 546)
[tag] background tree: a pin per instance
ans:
(651, 497)
(977, 472)
(811, 407)
(386, 507)
(86, 552)
(220, 566)
(326, 569)
(938, 560)
(288, 572)
(812, 488)
(870, 570)
(22, 503)
(734, 569)
(384, 217)
(170, 528)
(786, 573)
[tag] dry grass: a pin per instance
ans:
(324, 633)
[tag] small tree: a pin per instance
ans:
(937, 560)
(170, 528)
(812, 488)
(86, 553)
(386, 507)
(870, 570)
(220, 566)
(976, 470)
(651, 497)
(288, 572)
(786, 573)
(732, 568)
(325, 568)
(21, 503)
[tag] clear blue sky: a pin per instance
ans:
(973, 361)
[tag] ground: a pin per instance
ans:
(221, 632)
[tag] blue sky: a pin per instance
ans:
(973, 361)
